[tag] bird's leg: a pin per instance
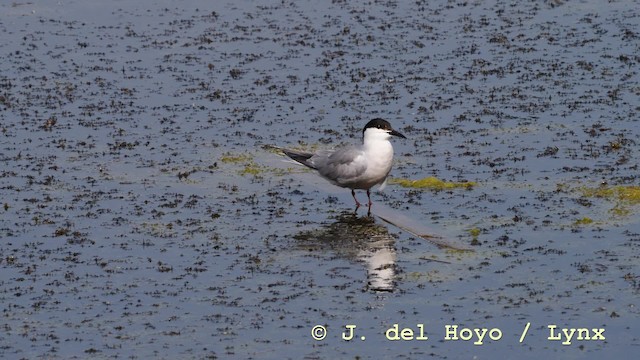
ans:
(369, 208)
(353, 193)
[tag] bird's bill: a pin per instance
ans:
(396, 133)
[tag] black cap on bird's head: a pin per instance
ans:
(382, 124)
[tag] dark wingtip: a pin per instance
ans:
(299, 156)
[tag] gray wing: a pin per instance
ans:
(342, 166)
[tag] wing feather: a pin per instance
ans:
(342, 166)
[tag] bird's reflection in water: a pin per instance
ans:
(358, 239)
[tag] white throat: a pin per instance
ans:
(377, 146)
(373, 135)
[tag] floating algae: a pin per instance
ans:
(622, 196)
(231, 158)
(583, 221)
(247, 165)
(626, 194)
(432, 183)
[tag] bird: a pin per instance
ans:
(357, 167)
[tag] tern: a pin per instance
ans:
(355, 166)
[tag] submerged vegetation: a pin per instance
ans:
(583, 221)
(623, 197)
(474, 232)
(431, 183)
(232, 158)
(626, 194)
(245, 164)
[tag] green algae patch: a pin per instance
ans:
(245, 162)
(431, 183)
(626, 194)
(620, 210)
(246, 165)
(230, 158)
(251, 169)
(624, 197)
(474, 232)
(583, 221)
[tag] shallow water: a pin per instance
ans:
(142, 216)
